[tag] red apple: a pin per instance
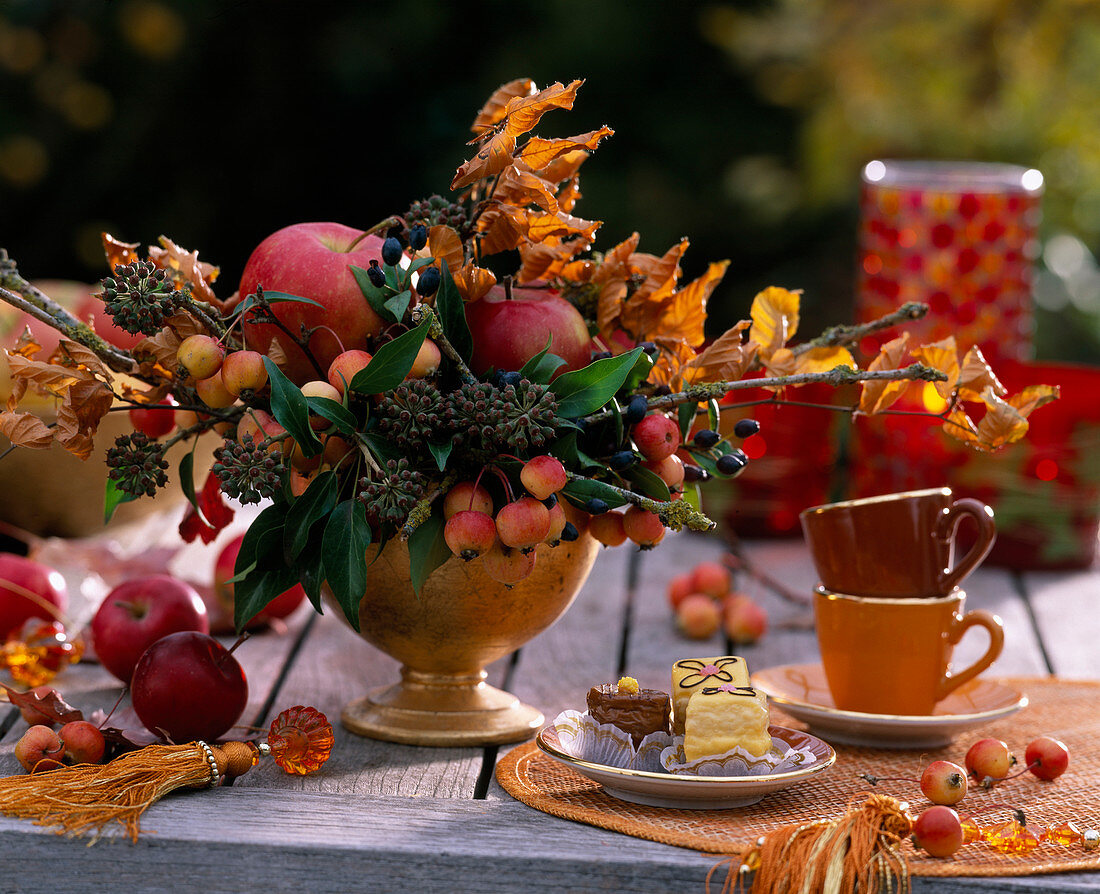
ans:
(86, 304)
(510, 331)
(279, 607)
(28, 589)
(139, 612)
(188, 686)
(313, 260)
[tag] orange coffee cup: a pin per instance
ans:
(896, 545)
(893, 656)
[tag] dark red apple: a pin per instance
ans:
(279, 607)
(188, 686)
(28, 589)
(510, 331)
(313, 260)
(139, 612)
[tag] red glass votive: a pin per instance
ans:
(957, 236)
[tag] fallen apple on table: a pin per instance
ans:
(28, 589)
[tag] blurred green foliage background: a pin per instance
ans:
(741, 125)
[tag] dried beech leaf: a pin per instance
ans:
(960, 427)
(503, 227)
(725, 359)
(537, 153)
(473, 282)
(878, 396)
(1002, 424)
(944, 356)
(570, 194)
(976, 375)
(51, 704)
(25, 430)
(276, 352)
(522, 113)
(75, 355)
(561, 225)
(164, 346)
(659, 274)
(546, 260)
(492, 158)
(44, 376)
(675, 353)
(565, 166)
(444, 244)
(117, 252)
(823, 359)
(1032, 397)
(782, 362)
(26, 345)
(78, 417)
(520, 188)
(493, 110)
(774, 318)
(686, 312)
(188, 269)
(612, 276)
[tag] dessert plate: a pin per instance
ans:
(694, 792)
(802, 691)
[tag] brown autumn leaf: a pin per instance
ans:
(46, 377)
(538, 153)
(26, 345)
(565, 166)
(74, 355)
(824, 358)
(25, 430)
(502, 228)
(781, 362)
(164, 346)
(1032, 397)
(493, 157)
(659, 274)
(546, 260)
(493, 110)
(188, 269)
(612, 275)
(975, 376)
(727, 358)
(118, 252)
(78, 417)
(521, 188)
(1002, 424)
(473, 282)
(774, 318)
(877, 396)
(684, 314)
(276, 352)
(569, 195)
(960, 427)
(445, 244)
(561, 225)
(674, 354)
(52, 705)
(522, 113)
(944, 356)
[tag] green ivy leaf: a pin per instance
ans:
(648, 483)
(113, 498)
(343, 549)
(375, 295)
(581, 490)
(309, 508)
(427, 549)
(584, 391)
(335, 412)
(390, 364)
(290, 409)
(452, 314)
(399, 304)
(441, 452)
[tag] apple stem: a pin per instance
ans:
(504, 478)
(332, 332)
(233, 648)
(473, 490)
(377, 228)
(114, 707)
(507, 282)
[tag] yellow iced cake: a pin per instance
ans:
(725, 716)
(689, 675)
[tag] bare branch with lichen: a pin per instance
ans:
(423, 509)
(674, 514)
(436, 334)
(835, 336)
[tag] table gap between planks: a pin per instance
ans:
(394, 817)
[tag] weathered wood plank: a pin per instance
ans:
(1067, 613)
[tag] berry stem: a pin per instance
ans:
(504, 478)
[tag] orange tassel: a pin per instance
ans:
(87, 797)
(858, 850)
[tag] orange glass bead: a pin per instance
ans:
(39, 652)
(1011, 838)
(971, 831)
(300, 740)
(1066, 834)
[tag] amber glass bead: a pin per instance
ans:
(1012, 838)
(39, 652)
(971, 831)
(300, 740)
(1065, 834)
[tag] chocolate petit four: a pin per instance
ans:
(634, 710)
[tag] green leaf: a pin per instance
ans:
(452, 314)
(270, 519)
(399, 303)
(427, 549)
(531, 369)
(441, 452)
(581, 490)
(375, 295)
(640, 372)
(335, 412)
(419, 263)
(584, 391)
(187, 477)
(713, 414)
(261, 574)
(113, 498)
(310, 507)
(284, 297)
(382, 448)
(290, 409)
(343, 550)
(693, 496)
(311, 567)
(685, 416)
(390, 364)
(393, 277)
(648, 483)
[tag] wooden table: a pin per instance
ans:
(393, 818)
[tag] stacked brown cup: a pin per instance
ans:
(888, 609)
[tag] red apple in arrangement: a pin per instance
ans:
(188, 686)
(509, 331)
(139, 612)
(279, 607)
(28, 589)
(313, 260)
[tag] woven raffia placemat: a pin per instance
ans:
(1066, 710)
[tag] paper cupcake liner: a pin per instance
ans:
(780, 758)
(583, 737)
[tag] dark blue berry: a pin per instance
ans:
(551, 501)
(391, 251)
(569, 533)
(418, 237)
(601, 355)
(662, 390)
(510, 378)
(376, 275)
(596, 506)
(636, 409)
(649, 347)
(428, 283)
(746, 428)
(732, 464)
(707, 438)
(694, 473)
(496, 379)
(624, 459)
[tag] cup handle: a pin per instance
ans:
(959, 626)
(948, 524)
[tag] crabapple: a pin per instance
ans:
(523, 523)
(467, 495)
(989, 760)
(938, 831)
(1047, 758)
(243, 371)
(943, 783)
(679, 588)
(201, 355)
(608, 528)
(542, 476)
(711, 578)
(670, 470)
(426, 362)
(656, 436)
(558, 521)
(645, 528)
(743, 619)
(154, 420)
(83, 742)
(469, 533)
(697, 616)
(506, 565)
(213, 393)
(39, 749)
(344, 367)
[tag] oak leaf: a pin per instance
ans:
(25, 430)
(493, 110)
(727, 358)
(877, 396)
(774, 318)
